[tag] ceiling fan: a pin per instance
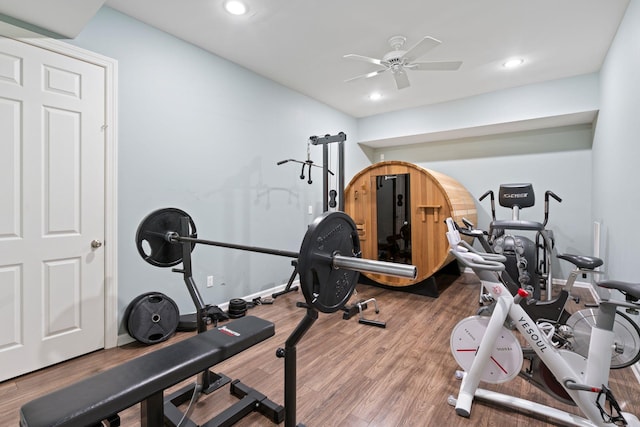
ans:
(398, 61)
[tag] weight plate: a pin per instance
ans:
(324, 287)
(152, 318)
(151, 237)
(238, 304)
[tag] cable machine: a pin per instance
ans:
(329, 196)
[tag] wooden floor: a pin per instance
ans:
(348, 374)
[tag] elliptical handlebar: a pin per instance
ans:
(493, 203)
(552, 194)
(486, 194)
(546, 204)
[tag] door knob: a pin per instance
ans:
(96, 244)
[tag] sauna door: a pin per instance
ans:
(393, 213)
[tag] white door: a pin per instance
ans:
(51, 207)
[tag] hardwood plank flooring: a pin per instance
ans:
(348, 374)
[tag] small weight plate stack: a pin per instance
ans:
(237, 308)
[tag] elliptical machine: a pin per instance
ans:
(527, 261)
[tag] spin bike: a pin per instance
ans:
(527, 261)
(572, 331)
(488, 351)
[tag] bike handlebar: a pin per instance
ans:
(467, 254)
(479, 261)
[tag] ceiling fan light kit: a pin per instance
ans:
(513, 63)
(235, 7)
(398, 60)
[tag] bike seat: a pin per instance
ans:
(627, 288)
(581, 261)
(516, 224)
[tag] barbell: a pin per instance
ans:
(329, 260)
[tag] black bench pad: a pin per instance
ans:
(96, 398)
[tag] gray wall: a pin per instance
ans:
(202, 134)
(616, 150)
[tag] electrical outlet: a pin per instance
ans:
(310, 210)
(209, 281)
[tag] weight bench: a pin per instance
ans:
(144, 379)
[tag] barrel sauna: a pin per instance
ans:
(399, 209)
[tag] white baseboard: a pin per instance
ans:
(124, 339)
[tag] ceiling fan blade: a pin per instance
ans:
(366, 76)
(420, 48)
(435, 66)
(363, 58)
(402, 80)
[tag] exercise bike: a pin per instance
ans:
(571, 331)
(527, 261)
(550, 310)
(490, 352)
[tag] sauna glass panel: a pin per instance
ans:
(393, 203)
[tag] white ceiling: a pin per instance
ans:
(301, 43)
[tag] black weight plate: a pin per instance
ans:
(152, 318)
(151, 237)
(324, 287)
(237, 303)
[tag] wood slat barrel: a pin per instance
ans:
(432, 197)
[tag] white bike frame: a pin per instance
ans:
(595, 376)
(583, 385)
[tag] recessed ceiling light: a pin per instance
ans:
(235, 7)
(513, 63)
(375, 96)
